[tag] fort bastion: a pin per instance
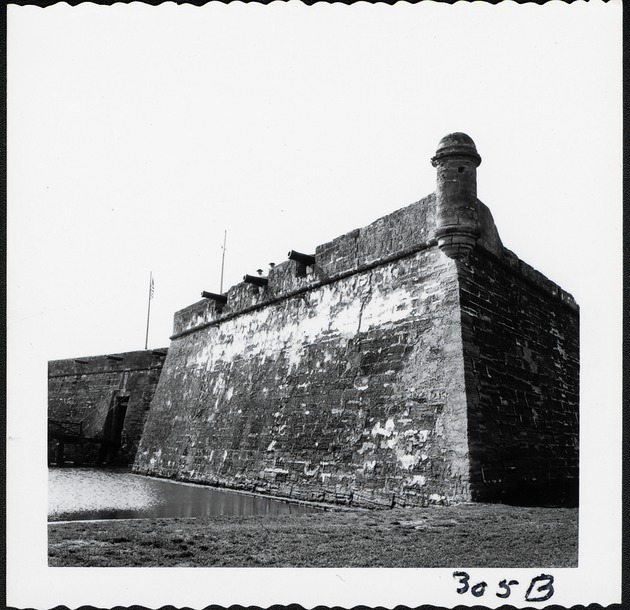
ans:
(411, 361)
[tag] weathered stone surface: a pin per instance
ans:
(393, 371)
(416, 361)
(346, 382)
(83, 390)
(521, 351)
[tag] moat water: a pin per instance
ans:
(76, 494)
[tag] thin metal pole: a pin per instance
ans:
(146, 341)
(223, 261)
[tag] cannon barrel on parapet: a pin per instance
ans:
(305, 259)
(219, 298)
(257, 280)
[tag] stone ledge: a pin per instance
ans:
(200, 315)
(110, 363)
(396, 235)
(532, 277)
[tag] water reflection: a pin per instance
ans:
(84, 493)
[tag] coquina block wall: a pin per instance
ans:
(414, 360)
(109, 395)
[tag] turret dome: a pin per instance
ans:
(456, 144)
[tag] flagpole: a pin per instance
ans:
(146, 341)
(223, 261)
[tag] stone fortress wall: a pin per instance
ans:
(414, 360)
(521, 360)
(102, 398)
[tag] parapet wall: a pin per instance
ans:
(402, 233)
(85, 390)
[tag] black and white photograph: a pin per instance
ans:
(299, 292)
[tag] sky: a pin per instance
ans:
(138, 135)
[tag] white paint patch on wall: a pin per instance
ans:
(386, 431)
(277, 470)
(258, 334)
(366, 447)
(310, 472)
(417, 481)
(407, 461)
(155, 457)
(362, 384)
(390, 306)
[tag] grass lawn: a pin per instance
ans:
(470, 535)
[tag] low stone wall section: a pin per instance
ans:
(83, 390)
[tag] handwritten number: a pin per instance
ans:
(479, 589)
(506, 585)
(464, 578)
(540, 588)
(546, 589)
